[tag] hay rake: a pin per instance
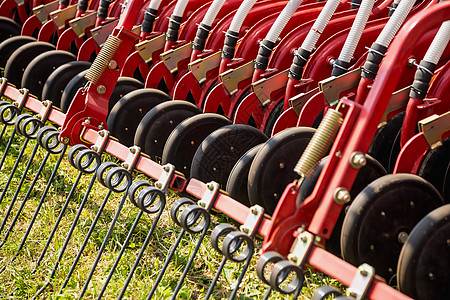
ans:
(297, 229)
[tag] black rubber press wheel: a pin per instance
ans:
(385, 145)
(219, 152)
(123, 86)
(7, 47)
(58, 80)
(273, 167)
(71, 89)
(158, 123)
(19, 60)
(435, 166)
(40, 68)
(368, 173)
(8, 28)
(237, 184)
(424, 263)
(380, 218)
(127, 113)
(184, 140)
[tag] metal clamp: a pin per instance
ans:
(43, 11)
(332, 87)
(132, 158)
(22, 99)
(45, 110)
(264, 87)
(298, 101)
(301, 248)
(361, 282)
(253, 220)
(102, 140)
(164, 180)
(172, 57)
(101, 33)
(433, 127)
(210, 195)
(146, 48)
(60, 16)
(200, 67)
(231, 78)
(80, 24)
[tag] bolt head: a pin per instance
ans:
(342, 195)
(125, 165)
(158, 185)
(402, 237)
(166, 169)
(245, 229)
(65, 140)
(202, 204)
(101, 89)
(358, 160)
(210, 186)
(254, 210)
(133, 150)
(112, 64)
(293, 258)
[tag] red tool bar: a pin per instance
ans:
(344, 272)
(32, 103)
(144, 164)
(227, 205)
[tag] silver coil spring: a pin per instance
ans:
(103, 58)
(320, 143)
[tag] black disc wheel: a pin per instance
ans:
(424, 263)
(273, 117)
(368, 173)
(184, 140)
(57, 81)
(158, 123)
(40, 68)
(237, 186)
(385, 145)
(380, 218)
(8, 28)
(78, 81)
(123, 86)
(7, 47)
(127, 113)
(219, 152)
(435, 166)
(273, 167)
(19, 60)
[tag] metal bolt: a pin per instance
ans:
(245, 229)
(293, 258)
(412, 62)
(358, 160)
(158, 185)
(112, 64)
(133, 150)
(94, 148)
(65, 140)
(402, 236)
(363, 272)
(303, 238)
(202, 204)
(254, 210)
(88, 120)
(341, 195)
(166, 169)
(101, 127)
(125, 165)
(101, 89)
(102, 133)
(210, 186)
(331, 61)
(318, 238)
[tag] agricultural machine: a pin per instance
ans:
(319, 129)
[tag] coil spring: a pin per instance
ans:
(103, 58)
(320, 143)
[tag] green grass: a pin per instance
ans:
(18, 282)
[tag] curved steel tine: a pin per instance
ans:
(103, 246)
(85, 241)
(38, 208)
(216, 277)
(16, 194)
(141, 253)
